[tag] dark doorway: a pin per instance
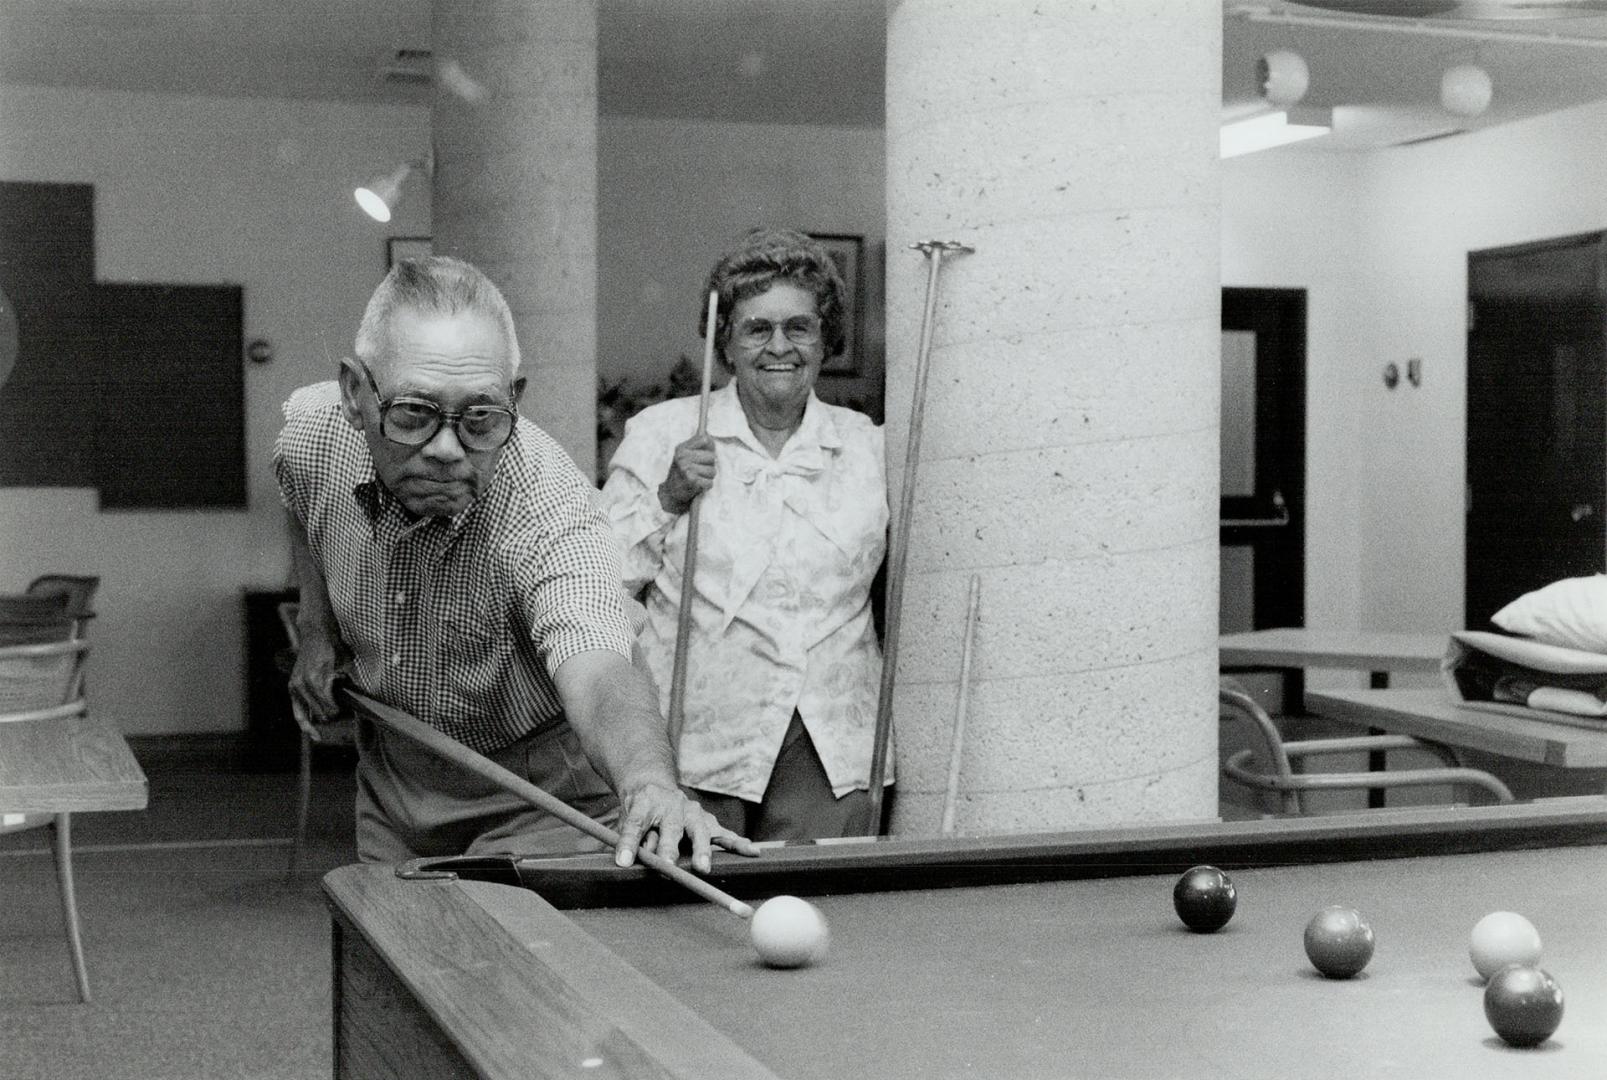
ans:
(1536, 445)
(1263, 458)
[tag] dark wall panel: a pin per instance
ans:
(169, 412)
(47, 234)
(137, 390)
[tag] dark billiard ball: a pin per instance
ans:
(1339, 942)
(1523, 1004)
(1204, 898)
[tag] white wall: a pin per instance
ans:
(1293, 221)
(1434, 205)
(202, 191)
(1382, 240)
(675, 196)
(258, 194)
(211, 191)
(214, 191)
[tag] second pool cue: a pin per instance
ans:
(449, 749)
(898, 542)
(683, 622)
(961, 706)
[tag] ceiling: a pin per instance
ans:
(782, 61)
(793, 62)
(1381, 75)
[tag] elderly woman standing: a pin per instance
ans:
(783, 663)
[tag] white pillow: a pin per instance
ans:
(1571, 613)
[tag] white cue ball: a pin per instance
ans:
(788, 932)
(1502, 938)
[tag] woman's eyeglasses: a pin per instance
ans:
(757, 333)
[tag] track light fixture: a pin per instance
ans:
(379, 196)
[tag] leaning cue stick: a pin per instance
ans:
(683, 622)
(449, 749)
(898, 547)
(961, 704)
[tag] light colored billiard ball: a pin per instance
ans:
(788, 932)
(1502, 938)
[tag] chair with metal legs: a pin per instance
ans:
(1277, 771)
(39, 684)
(338, 732)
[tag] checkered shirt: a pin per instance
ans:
(460, 621)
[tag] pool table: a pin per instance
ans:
(1003, 957)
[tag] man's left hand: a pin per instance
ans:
(657, 818)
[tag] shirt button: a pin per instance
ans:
(400, 597)
(396, 659)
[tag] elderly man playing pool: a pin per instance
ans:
(452, 565)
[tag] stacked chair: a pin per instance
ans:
(27, 619)
(42, 682)
(42, 655)
(76, 592)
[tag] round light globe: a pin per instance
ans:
(1283, 76)
(1466, 90)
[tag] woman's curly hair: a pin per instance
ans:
(768, 256)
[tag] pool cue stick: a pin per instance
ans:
(449, 749)
(683, 622)
(961, 703)
(898, 546)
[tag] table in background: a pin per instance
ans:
(1429, 714)
(1008, 956)
(1290, 650)
(79, 764)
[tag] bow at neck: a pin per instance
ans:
(804, 456)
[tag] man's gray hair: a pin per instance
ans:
(432, 285)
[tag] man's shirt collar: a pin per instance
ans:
(377, 502)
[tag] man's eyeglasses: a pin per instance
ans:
(415, 421)
(756, 333)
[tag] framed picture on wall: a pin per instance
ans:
(405, 247)
(848, 252)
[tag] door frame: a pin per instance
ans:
(1476, 604)
(1277, 317)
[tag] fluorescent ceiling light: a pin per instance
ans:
(1266, 130)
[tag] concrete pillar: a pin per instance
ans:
(1069, 448)
(515, 187)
